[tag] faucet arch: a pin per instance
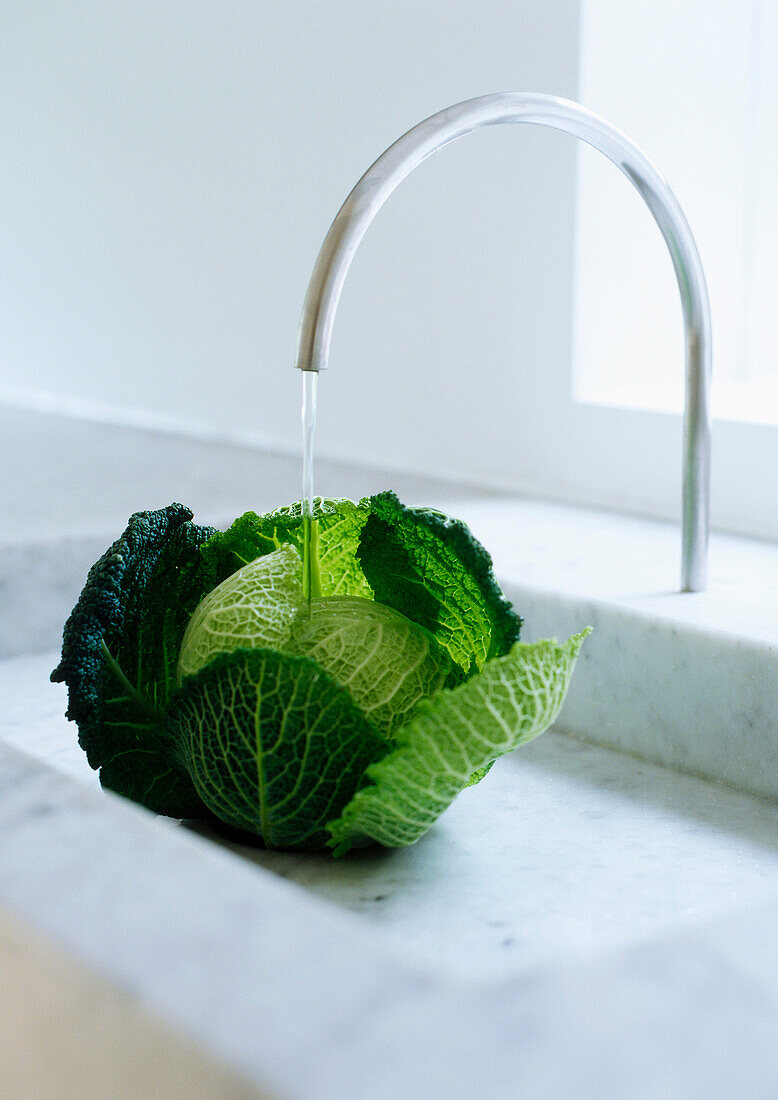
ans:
(426, 138)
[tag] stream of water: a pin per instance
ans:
(310, 580)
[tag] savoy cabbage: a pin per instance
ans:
(206, 684)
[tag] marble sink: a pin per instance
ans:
(599, 917)
(571, 867)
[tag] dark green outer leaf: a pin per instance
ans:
(430, 568)
(119, 651)
(273, 745)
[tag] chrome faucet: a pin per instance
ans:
(377, 184)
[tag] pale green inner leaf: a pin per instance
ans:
(387, 662)
(253, 608)
(513, 699)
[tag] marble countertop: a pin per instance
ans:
(578, 899)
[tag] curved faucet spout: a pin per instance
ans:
(377, 184)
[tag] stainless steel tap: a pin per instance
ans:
(377, 184)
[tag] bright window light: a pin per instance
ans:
(695, 84)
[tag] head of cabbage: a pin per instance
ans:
(206, 683)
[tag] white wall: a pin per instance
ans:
(169, 170)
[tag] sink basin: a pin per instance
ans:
(571, 873)
(566, 848)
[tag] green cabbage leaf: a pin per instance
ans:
(120, 653)
(454, 735)
(205, 683)
(274, 746)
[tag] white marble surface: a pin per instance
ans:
(90, 476)
(566, 848)
(260, 973)
(33, 716)
(316, 1003)
(629, 561)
